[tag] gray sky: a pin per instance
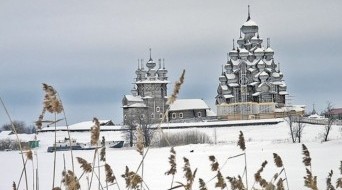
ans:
(88, 50)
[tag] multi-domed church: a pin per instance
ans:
(251, 84)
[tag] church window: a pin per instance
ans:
(199, 114)
(180, 115)
(173, 115)
(157, 109)
(160, 115)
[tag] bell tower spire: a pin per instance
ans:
(249, 14)
(150, 55)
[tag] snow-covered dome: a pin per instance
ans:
(249, 27)
(222, 79)
(233, 53)
(243, 52)
(259, 52)
(151, 64)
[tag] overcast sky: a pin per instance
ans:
(88, 50)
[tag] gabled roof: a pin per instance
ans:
(188, 104)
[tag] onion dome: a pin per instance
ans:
(233, 53)
(263, 76)
(222, 79)
(269, 51)
(244, 52)
(228, 66)
(150, 64)
(249, 27)
(259, 52)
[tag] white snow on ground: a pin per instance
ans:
(261, 142)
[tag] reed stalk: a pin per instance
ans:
(18, 140)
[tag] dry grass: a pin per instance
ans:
(310, 181)
(87, 168)
(95, 132)
(140, 141)
(70, 181)
(110, 177)
(176, 89)
(133, 180)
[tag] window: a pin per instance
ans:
(173, 115)
(142, 116)
(157, 109)
(160, 115)
(180, 115)
(152, 116)
(199, 114)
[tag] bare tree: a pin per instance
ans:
(296, 126)
(298, 129)
(139, 118)
(290, 119)
(331, 120)
(20, 127)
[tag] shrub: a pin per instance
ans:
(8, 144)
(183, 138)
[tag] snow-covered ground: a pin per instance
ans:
(261, 142)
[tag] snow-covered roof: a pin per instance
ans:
(230, 76)
(269, 50)
(233, 84)
(297, 108)
(283, 93)
(250, 23)
(136, 105)
(315, 116)
(188, 104)
(211, 113)
(224, 87)
(254, 83)
(152, 82)
(228, 96)
(85, 126)
(4, 134)
(132, 98)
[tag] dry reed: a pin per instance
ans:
(188, 174)
(70, 180)
(277, 160)
(87, 168)
(140, 141)
(103, 154)
(220, 181)
(176, 89)
(328, 181)
(241, 142)
(214, 163)
(18, 141)
(133, 180)
(257, 176)
(14, 186)
(110, 177)
(202, 184)
(236, 183)
(95, 132)
(310, 181)
(172, 162)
